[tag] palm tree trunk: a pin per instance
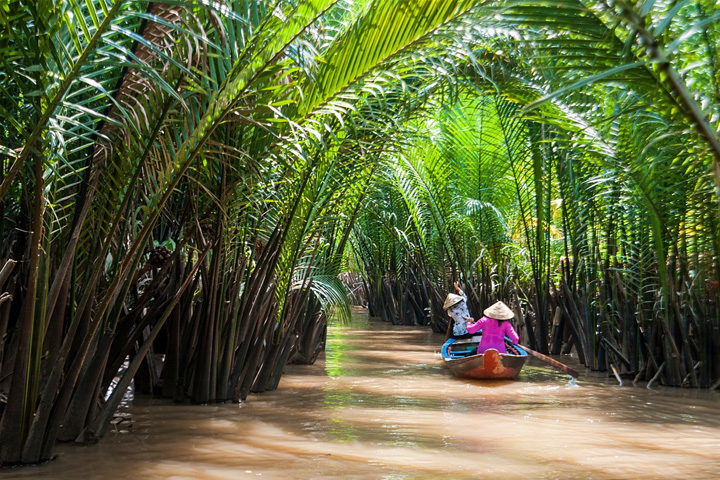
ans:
(20, 409)
(97, 428)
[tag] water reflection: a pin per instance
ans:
(381, 406)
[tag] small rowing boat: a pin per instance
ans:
(461, 357)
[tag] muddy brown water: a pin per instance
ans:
(380, 405)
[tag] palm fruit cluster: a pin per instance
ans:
(158, 256)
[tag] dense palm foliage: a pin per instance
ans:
(179, 179)
(187, 179)
(571, 171)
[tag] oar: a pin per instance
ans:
(550, 361)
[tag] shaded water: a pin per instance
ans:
(381, 406)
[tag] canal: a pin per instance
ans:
(380, 405)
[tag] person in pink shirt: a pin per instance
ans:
(495, 326)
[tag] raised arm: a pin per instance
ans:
(459, 290)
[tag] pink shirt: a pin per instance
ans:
(493, 334)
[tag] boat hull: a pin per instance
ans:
(461, 360)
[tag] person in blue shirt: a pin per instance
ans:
(456, 307)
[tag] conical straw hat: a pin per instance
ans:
(451, 300)
(498, 311)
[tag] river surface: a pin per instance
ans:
(380, 405)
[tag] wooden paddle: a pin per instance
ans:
(550, 361)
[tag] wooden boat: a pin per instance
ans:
(461, 357)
